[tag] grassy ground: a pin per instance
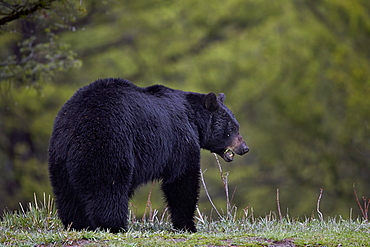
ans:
(38, 225)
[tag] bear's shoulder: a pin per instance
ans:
(159, 90)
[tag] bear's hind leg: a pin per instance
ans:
(70, 209)
(108, 209)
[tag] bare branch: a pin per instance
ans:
(358, 202)
(208, 195)
(224, 178)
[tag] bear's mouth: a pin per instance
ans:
(228, 155)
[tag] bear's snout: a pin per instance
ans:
(244, 149)
(239, 146)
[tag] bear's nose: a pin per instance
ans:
(245, 149)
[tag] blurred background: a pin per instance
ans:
(296, 74)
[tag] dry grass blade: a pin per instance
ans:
(318, 205)
(278, 204)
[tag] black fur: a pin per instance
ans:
(113, 136)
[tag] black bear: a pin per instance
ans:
(113, 136)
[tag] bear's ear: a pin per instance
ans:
(210, 102)
(221, 97)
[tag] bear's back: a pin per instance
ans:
(117, 102)
(111, 89)
(105, 89)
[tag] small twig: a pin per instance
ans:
(224, 178)
(318, 205)
(278, 204)
(366, 206)
(209, 197)
(358, 202)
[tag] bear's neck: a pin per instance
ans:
(200, 116)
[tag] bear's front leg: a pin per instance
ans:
(182, 197)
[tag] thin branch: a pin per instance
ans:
(366, 206)
(358, 202)
(209, 197)
(224, 178)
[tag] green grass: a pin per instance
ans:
(40, 226)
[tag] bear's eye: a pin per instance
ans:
(231, 130)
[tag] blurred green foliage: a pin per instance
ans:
(295, 73)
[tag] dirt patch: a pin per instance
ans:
(283, 243)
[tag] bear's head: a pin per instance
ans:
(222, 135)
